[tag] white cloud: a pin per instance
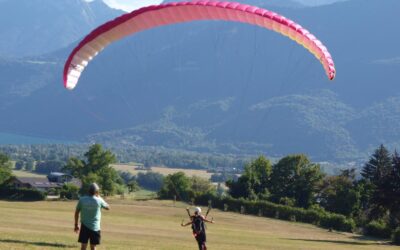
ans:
(388, 61)
(129, 5)
(318, 2)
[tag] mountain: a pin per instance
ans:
(318, 2)
(224, 87)
(35, 27)
(280, 3)
(264, 3)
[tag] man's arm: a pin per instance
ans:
(206, 220)
(76, 229)
(186, 224)
(104, 204)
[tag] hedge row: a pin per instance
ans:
(272, 210)
(21, 194)
(396, 236)
(378, 229)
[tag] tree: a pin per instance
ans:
(150, 180)
(5, 168)
(395, 194)
(46, 167)
(30, 165)
(338, 194)
(294, 176)
(96, 168)
(133, 186)
(86, 181)
(378, 166)
(387, 193)
(201, 186)
(126, 176)
(69, 191)
(223, 177)
(97, 159)
(376, 183)
(19, 165)
(241, 188)
(259, 172)
(176, 185)
(109, 180)
(254, 182)
(75, 167)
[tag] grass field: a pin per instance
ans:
(132, 170)
(22, 173)
(146, 225)
(163, 170)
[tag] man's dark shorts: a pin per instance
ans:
(201, 240)
(86, 234)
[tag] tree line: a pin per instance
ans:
(372, 199)
(293, 186)
(51, 158)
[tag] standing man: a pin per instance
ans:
(198, 227)
(89, 207)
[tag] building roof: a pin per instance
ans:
(58, 174)
(37, 182)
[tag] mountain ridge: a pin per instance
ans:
(223, 87)
(36, 27)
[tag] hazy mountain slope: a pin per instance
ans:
(378, 124)
(318, 2)
(263, 3)
(34, 27)
(215, 86)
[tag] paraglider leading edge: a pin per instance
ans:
(170, 13)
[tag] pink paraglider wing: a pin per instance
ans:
(164, 14)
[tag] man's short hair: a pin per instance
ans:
(93, 189)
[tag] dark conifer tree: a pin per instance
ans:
(375, 181)
(393, 191)
(378, 166)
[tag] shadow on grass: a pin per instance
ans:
(37, 243)
(344, 242)
(370, 238)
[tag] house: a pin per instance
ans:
(53, 181)
(59, 177)
(39, 183)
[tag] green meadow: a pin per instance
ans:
(154, 224)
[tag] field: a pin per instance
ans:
(132, 170)
(146, 225)
(21, 173)
(163, 170)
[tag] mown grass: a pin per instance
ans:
(156, 225)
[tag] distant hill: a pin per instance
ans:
(224, 87)
(318, 2)
(265, 3)
(285, 3)
(35, 27)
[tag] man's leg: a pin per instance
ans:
(83, 237)
(95, 237)
(200, 245)
(203, 241)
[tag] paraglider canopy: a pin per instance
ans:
(171, 13)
